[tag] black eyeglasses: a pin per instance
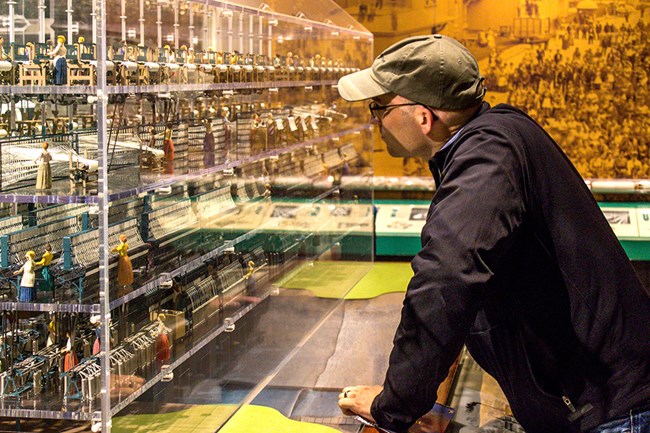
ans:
(376, 109)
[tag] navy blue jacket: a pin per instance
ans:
(519, 263)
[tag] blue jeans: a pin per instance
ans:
(637, 421)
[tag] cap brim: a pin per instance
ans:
(360, 85)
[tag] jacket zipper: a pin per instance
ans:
(570, 405)
(576, 413)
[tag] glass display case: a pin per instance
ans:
(167, 167)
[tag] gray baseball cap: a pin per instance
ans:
(434, 70)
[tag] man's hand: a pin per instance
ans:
(356, 400)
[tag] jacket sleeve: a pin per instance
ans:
(471, 226)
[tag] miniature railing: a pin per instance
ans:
(83, 248)
(51, 213)
(213, 204)
(15, 245)
(171, 219)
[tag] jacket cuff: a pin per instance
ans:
(385, 420)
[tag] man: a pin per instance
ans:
(517, 262)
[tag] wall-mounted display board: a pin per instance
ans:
(399, 224)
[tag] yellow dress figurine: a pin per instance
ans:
(124, 266)
(44, 174)
(168, 149)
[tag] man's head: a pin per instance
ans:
(423, 89)
(433, 70)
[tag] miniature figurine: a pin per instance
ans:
(256, 121)
(81, 47)
(44, 174)
(27, 290)
(59, 62)
(251, 269)
(208, 145)
(163, 352)
(51, 331)
(5, 65)
(168, 149)
(169, 54)
(70, 359)
(346, 165)
(234, 58)
(47, 283)
(3, 54)
(124, 266)
(251, 281)
(123, 50)
(148, 158)
(270, 125)
(131, 54)
(30, 50)
(95, 321)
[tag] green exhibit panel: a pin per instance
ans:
(399, 223)
(397, 227)
(631, 224)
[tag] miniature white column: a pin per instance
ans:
(260, 34)
(251, 34)
(123, 18)
(12, 29)
(159, 24)
(217, 28)
(93, 14)
(12, 38)
(228, 14)
(207, 42)
(241, 33)
(176, 24)
(191, 27)
(270, 39)
(68, 12)
(141, 20)
(41, 21)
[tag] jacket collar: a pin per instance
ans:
(437, 161)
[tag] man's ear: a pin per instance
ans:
(427, 118)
